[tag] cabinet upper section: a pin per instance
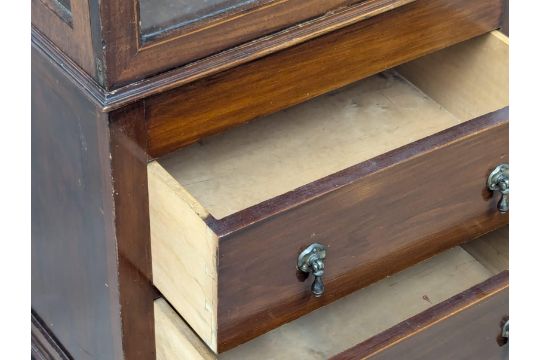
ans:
(119, 42)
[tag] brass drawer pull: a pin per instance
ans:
(311, 260)
(498, 180)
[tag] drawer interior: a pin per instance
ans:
(270, 156)
(356, 317)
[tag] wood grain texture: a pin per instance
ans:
(363, 214)
(129, 59)
(359, 316)
(184, 253)
(465, 327)
(112, 99)
(343, 324)
(313, 68)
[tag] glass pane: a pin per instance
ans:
(65, 3)
(158, 16)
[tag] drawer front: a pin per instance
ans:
(460, 301)
(467, 326)
(375, 219)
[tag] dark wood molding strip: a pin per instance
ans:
(113, 99)
(257, 213)
(69, 68)
(428, 318)
(44, 345)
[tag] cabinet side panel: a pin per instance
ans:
(74, 266)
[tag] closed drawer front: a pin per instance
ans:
(451, 306)
(384, 173)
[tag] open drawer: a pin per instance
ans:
(383, 173)
(452, 305)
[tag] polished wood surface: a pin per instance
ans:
(115, 98)
(129, 58)
(464, 327)
(302, 72)
(354, 213)
(91, 270)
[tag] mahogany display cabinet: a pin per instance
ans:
(269, 179)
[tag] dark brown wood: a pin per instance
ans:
(505, 23)
(91, 269)
(302, 72)
(128, 59)
(114, 99)
(74, 282)
(70, 31)
(465, 326)
(376, 218)
(129, 161)
(44, 345)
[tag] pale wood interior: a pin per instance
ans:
(270, 156)
(357, 317)
(184, 251)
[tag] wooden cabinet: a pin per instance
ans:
(182, 161)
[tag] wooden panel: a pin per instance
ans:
(464, 327)
(358, 214)
(313, 68)
(184, 253)
(474, 73)
(491, 250)
(91, 269)
(74, 278)
(70, 33)
(174, 338)
(132, 230)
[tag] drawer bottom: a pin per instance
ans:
(365, 321)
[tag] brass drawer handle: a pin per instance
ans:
(311, 260)
(498, 180)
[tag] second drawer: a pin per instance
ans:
(383, 173)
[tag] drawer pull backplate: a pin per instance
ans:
(498, 180)
(311, 260)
